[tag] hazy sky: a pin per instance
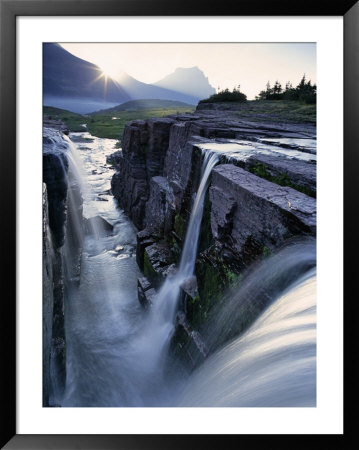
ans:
(225, 65)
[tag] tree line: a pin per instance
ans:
(305, 91)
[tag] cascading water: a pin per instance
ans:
(273, 364)
(102, 312)
(116, 352)
(162, 316)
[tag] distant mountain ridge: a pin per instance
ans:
(190, 81)
(142, 104)
(77, 85)
(67, 77)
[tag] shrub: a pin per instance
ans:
(226, 96)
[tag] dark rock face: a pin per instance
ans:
(144, 145)
(257, 213)
(144, 239)
(47, 297)
(54, 176)
(158, 205)
(223, 212)
(158, 263)
(55, 124)
(294, 173)
(114, 158)
(158, 140)
(145, 291)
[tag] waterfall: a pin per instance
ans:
(188, 257)
(273, 364)
(161, 325)
(117, 353)
(101, 308)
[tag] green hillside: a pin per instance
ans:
(138, 105)
(72, 120)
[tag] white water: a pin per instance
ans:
(242, 150)
(273, 364)
(117, 352)
(153, 343)
(103, 313)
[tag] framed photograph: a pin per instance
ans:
(169, 279)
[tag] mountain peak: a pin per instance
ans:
(188, 69)
(188, 80)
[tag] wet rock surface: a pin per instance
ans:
(54, 176)
(146, 293)
(144, 239)
(166, 148)
(54, 124)
(158, 263)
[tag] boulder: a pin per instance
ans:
(158, 263)
(114, 158)
(145, 292)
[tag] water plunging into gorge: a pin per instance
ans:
(117, 353)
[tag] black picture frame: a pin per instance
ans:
(9, 10)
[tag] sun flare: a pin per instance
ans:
(109, 72)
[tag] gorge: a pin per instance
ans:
(179, 270)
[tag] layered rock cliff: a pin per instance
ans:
(262, 194)
(58, 227)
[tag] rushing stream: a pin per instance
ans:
(117, 352)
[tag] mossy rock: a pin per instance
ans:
(150, 273)
(282, 179)
(180, 226)
(210, 288)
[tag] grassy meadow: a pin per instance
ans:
(108, 125)
(277, 110)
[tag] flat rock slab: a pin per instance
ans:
(300, 173)
(259, 214)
